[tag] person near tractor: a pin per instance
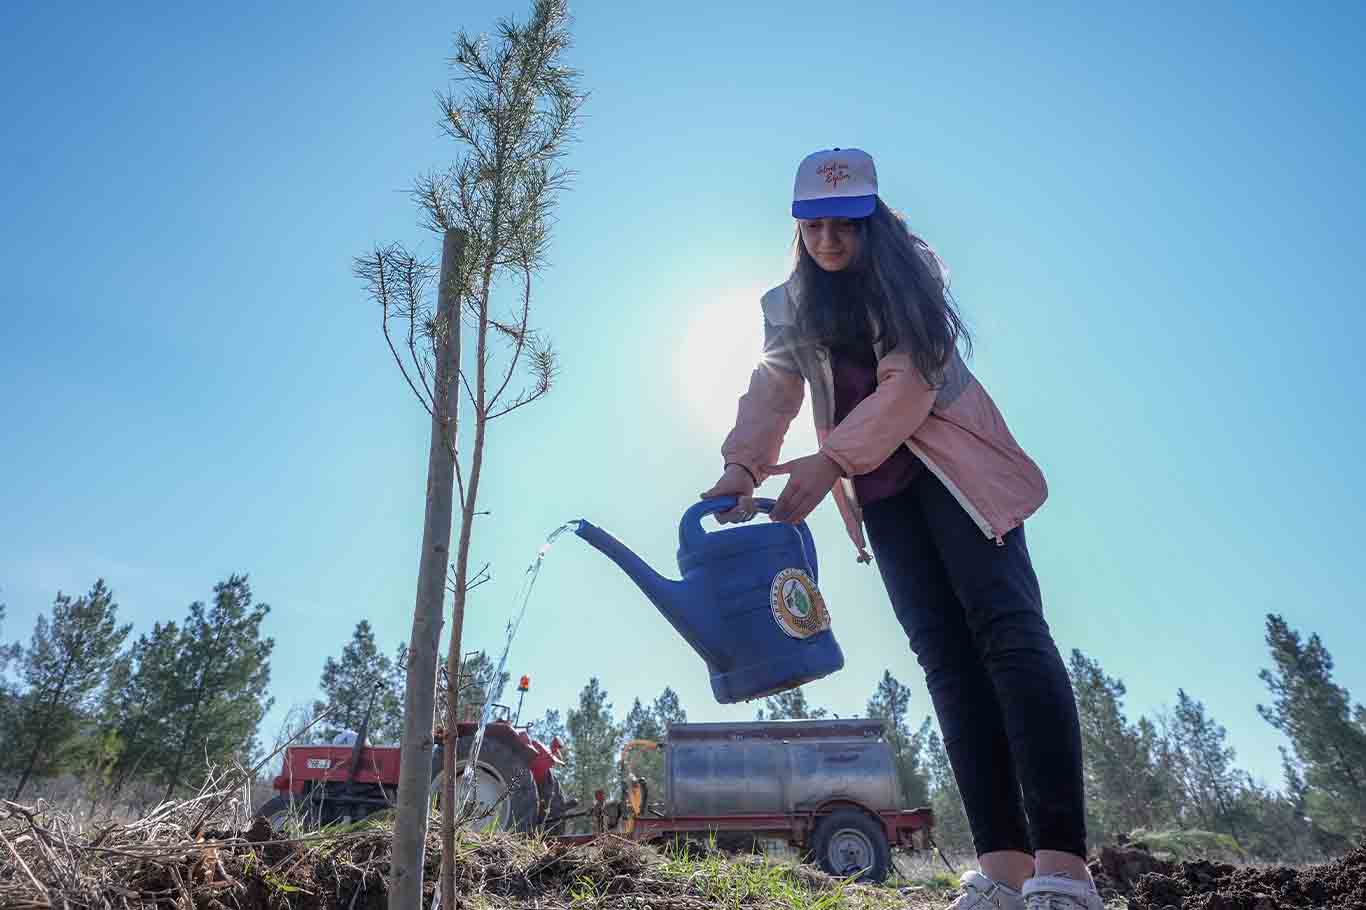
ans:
(918, 456)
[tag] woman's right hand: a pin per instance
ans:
(735, 481)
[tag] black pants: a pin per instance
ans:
(974, 616)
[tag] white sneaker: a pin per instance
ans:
(1060, 892)
(982, 893)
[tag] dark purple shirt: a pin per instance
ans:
(855, 373)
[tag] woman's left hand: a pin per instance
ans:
(809, 479)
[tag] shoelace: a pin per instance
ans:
(982, 898)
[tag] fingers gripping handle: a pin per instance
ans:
(690, 530)
(691, 534)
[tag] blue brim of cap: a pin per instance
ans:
(835, 207)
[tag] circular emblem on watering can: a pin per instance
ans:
(797, 606)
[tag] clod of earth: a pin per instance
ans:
(1150, 883)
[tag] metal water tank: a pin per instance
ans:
(778, 767)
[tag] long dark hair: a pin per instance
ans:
(890, 293)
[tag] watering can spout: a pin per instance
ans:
(664, 593)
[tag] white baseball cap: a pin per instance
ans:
(835, 183)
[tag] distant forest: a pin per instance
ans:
(128, 721)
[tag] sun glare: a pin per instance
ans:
(720, 346)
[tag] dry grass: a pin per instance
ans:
(199, 854)
(89, 804)
(60, 858)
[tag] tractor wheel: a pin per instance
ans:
(849, 843)
(505, 796)
(554, 808)
(289, 816)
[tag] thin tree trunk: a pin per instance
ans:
(129, 770)
(203, 685)
(453, 658)
(467, 509)
(415, 757)
(28, 769)
(42, 735)
(32, 763)
(173, 778)
(457, 624)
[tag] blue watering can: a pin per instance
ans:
(748, 602)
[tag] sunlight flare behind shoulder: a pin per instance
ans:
(722, 340)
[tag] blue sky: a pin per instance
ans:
(1154, 221)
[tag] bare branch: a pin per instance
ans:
(414, 284)
(374, 271)
(482, 576)
(459, 475)
(469, 391)
(251, 775)
(544, 369)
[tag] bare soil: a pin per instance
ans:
(1150, 883)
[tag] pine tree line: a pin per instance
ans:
(1178, 772)
(185, 696)
(1144, 779)
(149, 714)
(364, 686)
(142, 720)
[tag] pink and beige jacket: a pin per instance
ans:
(952, 426)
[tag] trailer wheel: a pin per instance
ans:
(849, 843)
(504, 791)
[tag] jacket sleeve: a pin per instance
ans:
(882, 421)
(766, 410)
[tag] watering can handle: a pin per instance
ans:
(691, 533)
(691, 528)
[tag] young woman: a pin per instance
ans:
(918, 455)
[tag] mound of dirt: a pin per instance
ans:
(1117, 870)
(1150, 883)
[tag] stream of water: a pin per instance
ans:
(495, 692)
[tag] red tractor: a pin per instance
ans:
(323, 784)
